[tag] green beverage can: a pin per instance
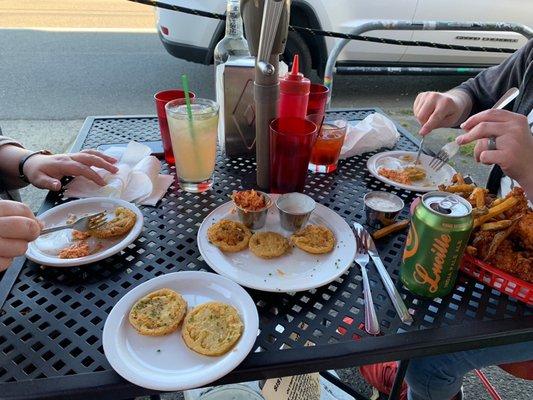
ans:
(438, 235)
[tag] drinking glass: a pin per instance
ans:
(328, 145)
(318, 97)
(161, 99)
(194, 142)
(291, 142)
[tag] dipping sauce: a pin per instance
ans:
(382, 208)
(383, 202)
(295, 203)
(294, 210)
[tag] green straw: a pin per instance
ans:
(185, 83)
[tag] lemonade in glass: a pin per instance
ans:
(194, 142)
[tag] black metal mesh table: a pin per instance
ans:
(51, 319)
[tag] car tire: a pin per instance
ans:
(297, 45)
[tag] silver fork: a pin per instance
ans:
(417, 161)
(361, 258)
(449, 150)
(83, 224)
(445, 154)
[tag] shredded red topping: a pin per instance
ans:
(76, 250)
(249, 200)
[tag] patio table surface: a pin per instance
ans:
(51, 319)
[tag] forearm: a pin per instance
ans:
(527, 185)
(465, 103)
(10, 156)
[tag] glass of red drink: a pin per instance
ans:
(318, 97)
(328, 145)
(291, 142)
(161, 99)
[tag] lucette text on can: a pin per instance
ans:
(438, 235)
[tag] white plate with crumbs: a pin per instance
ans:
(44, 250)
(293, 272)
(397, 160)
(165, 363)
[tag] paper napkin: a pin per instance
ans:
(374, 132)
(138, 179)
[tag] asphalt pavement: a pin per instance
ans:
(68, 75)
(76, 14)
(62, 61)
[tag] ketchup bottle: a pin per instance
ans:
(294, 93)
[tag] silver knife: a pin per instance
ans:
(393, 293)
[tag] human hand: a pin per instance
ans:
(18, 227)
(514, 142)
(440, 110)
(45, 171)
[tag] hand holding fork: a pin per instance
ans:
(449, 150)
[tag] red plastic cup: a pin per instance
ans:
(161, 99)
(318, 97)
(291, 143)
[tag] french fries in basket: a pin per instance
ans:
(497, 225)
(477, 197)
(498, 201)
(480, 211)
(458, 179)
(505, 205)
(463, 188)
(503, 228)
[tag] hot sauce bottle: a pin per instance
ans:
(294, 93)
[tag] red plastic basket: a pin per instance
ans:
(497, 279)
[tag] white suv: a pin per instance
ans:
(193, 38)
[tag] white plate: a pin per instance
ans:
(391, 159)
(165, 362)
(292, 272)
(43, 250)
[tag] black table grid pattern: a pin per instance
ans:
(51, 323)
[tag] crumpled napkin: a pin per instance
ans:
(138, 179)
(374, 132)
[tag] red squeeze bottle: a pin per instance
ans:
(294, 93)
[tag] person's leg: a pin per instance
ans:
(381, 377)
(441, 377)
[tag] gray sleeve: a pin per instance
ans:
(9, 183)
(5, 140)
(488, 86)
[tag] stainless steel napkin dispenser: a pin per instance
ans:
(238, 136)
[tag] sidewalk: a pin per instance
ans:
(56, 136)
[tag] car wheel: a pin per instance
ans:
(296, 45)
